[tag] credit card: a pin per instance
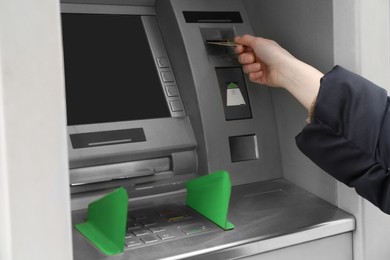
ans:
(225, 43)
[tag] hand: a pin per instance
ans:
(263, 60)
(267, 63)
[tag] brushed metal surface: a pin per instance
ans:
(120, 170)
(267, 215)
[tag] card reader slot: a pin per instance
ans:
(126, 170)
(219, 41)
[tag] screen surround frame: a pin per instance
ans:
(164, 136)
(153, 34)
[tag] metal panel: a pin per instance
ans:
(267, 216)
(335, 247)
(164, 136)
(33, 154)
(305, 28)
(198, 83)
(159, 52)
(110, 172)
(106, 9)
(112, 2)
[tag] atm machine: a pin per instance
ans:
(151, 104)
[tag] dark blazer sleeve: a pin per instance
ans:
(349, 136)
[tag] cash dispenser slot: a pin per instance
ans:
(125, 170)
(152, 169)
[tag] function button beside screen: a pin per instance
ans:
(167, 76)
(172, 91)
(176, 105)
(162, 62)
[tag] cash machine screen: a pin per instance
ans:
(110, 72)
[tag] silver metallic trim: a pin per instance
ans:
(111, 2)
(107, 9)
(158, 49)
(267, 216)
(109, 172)
(255, 246)
(215, 21)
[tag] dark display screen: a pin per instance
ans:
(110, 73)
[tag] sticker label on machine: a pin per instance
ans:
(233, 89)
(234, 96)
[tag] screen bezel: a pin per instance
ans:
(160, 133)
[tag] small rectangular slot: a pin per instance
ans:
(94, 139)
(212, 17)
(243, 148)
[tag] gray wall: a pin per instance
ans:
(35, 219)
(305, 28)
(361, 43)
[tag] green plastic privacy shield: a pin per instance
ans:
(106, 223)
(209, 195)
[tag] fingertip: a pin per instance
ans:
(239, 49)
(237, 39)
(246, 58)
(252, 76)
(250, 68)
(255, 76)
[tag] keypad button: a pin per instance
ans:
(165, 236)
(148, 223)
(194, 230)
(149, 239)
(157, 229)
(132, 242)
(189, 224)
(133, 225)
(141, 232)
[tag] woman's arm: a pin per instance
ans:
(349, 135)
